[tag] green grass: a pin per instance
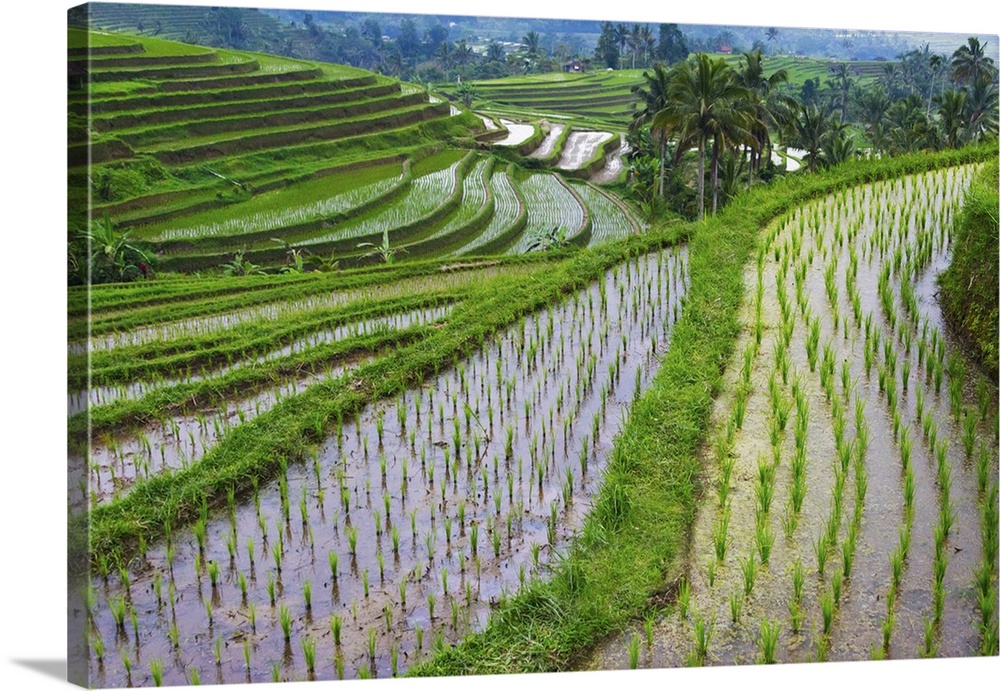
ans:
(647, 501)
(969, 285)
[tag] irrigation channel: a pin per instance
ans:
(850, 486)
(411, 520)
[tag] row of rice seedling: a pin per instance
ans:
(125, 309)
(856, 537)
(426, 193)
(415, 504)
(475, 196)
(610, 221)
(507, 209)
(325, 298)
(275, 212)
(550, 204)
(131, 371)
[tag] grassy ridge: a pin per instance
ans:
(632, 543)
(969, 286)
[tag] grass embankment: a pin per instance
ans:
(969, 286)
(630, 550)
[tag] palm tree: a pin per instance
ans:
(981, 109)
(812, 129)
(934, 63)
(445, 55)
(969, 63)
(494, 52)
(872, 104)
(532, 41)
(653, 97)
(621, 37)
(843, 82)
(463, 52)
(771, 109)
(703, 103)
(772, 34)
(951, 114)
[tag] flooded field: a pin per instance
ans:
(850, 487)
(411, 520)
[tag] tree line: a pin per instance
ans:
(725, 121)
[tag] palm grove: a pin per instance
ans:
(703, 128)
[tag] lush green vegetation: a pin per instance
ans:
(968, 287)
(630, 552)
(303, 283)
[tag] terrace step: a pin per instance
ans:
(289, 137)
(126, 120)
(153, 136)
(225, 95)
(216, 83)
(198, 71)
(144, 60)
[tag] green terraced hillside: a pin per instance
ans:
(203, 154)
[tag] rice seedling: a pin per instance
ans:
(969, 422)
(826, 605)
(888, 624)
(720, 536)
(372, 643)
(748, 567)
(285, 620)
(431, 600)
(765, 541)
(684, 598)
(702, 637)
(768, 642)
(633, 652)
(156, 671)
(735, 606)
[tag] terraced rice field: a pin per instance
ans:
(414, 515)
(603, 99)
(259, 154)
(851, 500)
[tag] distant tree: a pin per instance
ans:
(226, 26)
(607, 48)
(807, 92)
(436, 35)
(372, 32)
(671, 47)
(969, 63)
(408, 42)
(467, 93)
(771, 34)
(951, 116)
(532, 42)
(494, 52)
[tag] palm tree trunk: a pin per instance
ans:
(715, 175)
(663, 154)
(701, 178)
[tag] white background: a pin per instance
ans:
(32, 335)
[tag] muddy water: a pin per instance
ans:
(580, 148)
(443, 451)
(517, 133)
(102, 395)
(613, 165)
(116, 462)
(548, 144)
(275, 310)
(888, 215)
